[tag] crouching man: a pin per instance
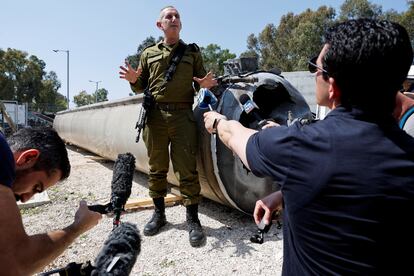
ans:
(31, 161)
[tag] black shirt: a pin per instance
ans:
(7, 165)
(348, 188)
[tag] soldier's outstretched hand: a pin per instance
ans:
(207, 82)
(128, 73)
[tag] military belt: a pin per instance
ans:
(173, 106)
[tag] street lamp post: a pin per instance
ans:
(96, 91)
(67, 71)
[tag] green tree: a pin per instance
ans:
(21, 75)
(354, 9)
(407, 20)
(23, 79)
(214, 58)
(289, 45)
(48, 100)
(252, 47)
(102, 95)
(83, 98)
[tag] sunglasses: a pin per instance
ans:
(313, 67)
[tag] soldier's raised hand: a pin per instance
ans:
(128, 73)
(207, 82)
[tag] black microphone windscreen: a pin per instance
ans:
(123, 174)
(119, 252)
(244, 98)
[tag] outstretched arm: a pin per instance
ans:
(128, 73)
(21, 254)
(233, 134)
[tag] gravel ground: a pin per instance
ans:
(228, 250)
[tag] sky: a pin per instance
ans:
(99, 34)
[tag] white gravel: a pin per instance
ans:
(228, 250)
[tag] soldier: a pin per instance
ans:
(171, 121)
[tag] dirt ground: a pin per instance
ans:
(228, 249)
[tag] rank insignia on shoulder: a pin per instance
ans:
(148, 46)
(194, 47)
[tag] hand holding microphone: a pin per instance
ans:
(211, 121)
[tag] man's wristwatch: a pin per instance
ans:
(215, 124)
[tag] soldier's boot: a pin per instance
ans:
(158, 219)
(195, 231)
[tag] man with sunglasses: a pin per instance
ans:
(347, 181)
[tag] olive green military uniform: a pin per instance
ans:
(171, 122)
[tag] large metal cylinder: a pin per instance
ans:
(108, 129)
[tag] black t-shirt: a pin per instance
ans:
(348, 189)
(7, 166)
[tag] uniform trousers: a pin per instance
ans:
(172, 133)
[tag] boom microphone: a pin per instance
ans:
(120, 187)
(119, 252)
(251, 108)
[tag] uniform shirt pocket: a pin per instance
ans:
(185, 70)
(154, 62)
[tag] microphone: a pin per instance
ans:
(206, 99)
(121, 185)
(116, 258)
(251, 108)
(119, 252)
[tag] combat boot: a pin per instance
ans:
(195, 231)
(158, 219)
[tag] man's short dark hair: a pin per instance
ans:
(369, 60)
(53, 153)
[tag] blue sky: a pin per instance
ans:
(100, 33)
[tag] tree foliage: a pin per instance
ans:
(407, 20)
(48, 99)
(101, 95)
(23, 79)
(214, 58)
(354, 9)
(289, 45)
(83, 98)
